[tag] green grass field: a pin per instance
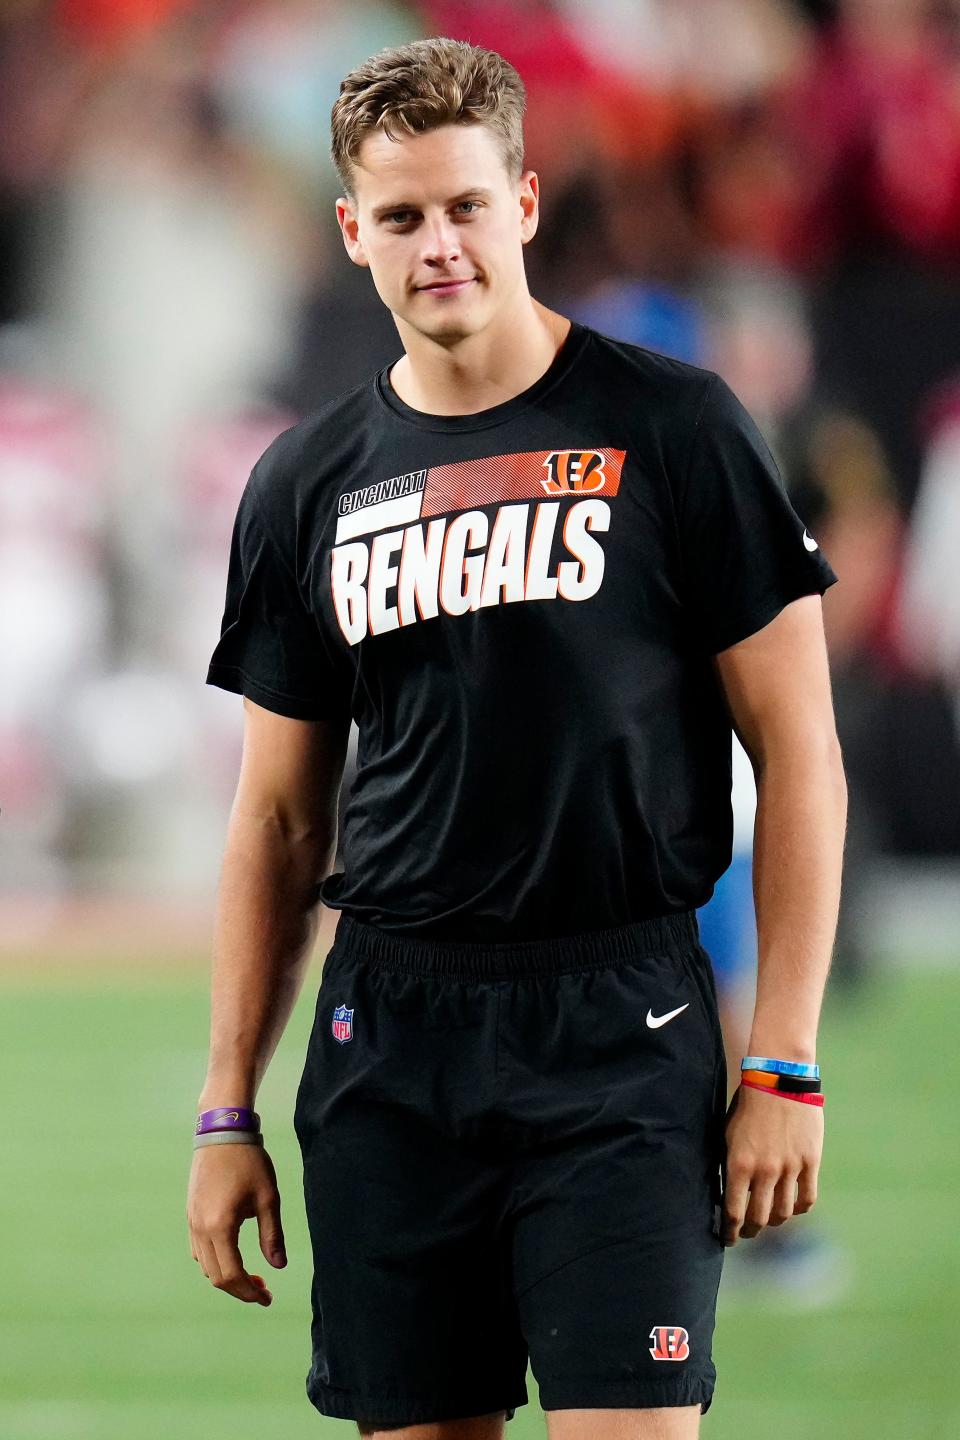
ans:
(109, 1331)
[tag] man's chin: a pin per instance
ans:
(446, 330)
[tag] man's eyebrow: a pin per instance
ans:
(475, 194)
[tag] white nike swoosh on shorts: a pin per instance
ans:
(655, 1021)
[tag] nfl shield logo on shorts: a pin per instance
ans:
(342, 1024)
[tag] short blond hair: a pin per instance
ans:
(408, 89)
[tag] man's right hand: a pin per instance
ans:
(230, 1184)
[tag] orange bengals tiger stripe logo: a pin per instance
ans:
(570, 470)
(670, 1342)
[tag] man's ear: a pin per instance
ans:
(529, 205)
(350, 230)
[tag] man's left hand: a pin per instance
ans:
(774, 1148)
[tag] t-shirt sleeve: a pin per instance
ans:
(271, 648)
(746, 552)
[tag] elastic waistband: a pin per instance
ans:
(661, 935)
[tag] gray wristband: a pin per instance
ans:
(228, 1137)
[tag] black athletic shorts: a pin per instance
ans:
(513, 1152)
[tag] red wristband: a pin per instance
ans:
(784, 1094)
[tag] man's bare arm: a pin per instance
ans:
(777, 686)
(280, 843)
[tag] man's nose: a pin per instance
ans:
(441, 242)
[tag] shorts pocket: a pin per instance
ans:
(694, 965)
(331, 979)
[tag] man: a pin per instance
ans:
(542, 570)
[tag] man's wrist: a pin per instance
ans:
(237, 1090)
(783, 1048)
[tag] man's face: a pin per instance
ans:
(441, 226)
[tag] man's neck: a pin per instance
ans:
(482, 371)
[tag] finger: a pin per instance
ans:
(734, 1204)
(208, 1260)
(271, 1232)
(233, 1277)
(783, 1198)
(761, 1200)
(806, 1191)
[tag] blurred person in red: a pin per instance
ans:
(870, 134)
(876, 122)
(547, 573)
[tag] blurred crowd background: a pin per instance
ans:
(768, 188)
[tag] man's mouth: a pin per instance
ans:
(447, 287)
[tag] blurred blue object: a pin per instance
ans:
(728, 928)
(795, 1267)
(640, 313)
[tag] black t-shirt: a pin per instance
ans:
(519, 609)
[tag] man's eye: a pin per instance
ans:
(471, 203)
(399, 217)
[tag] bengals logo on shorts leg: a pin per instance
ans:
(670, 1342)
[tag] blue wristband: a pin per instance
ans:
(780, 1067)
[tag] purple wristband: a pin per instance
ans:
(224, 1118)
